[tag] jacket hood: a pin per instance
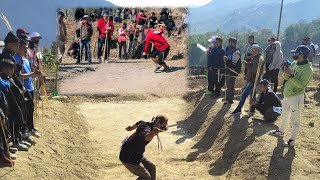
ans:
(278, 46)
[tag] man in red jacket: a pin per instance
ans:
(105, 28)
(161, 50)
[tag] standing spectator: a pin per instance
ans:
(164, 15)
(161, 51)
(306, 41)
(133, 37)
(298, 76)
(134, 14)
(26, 75)
(122, 40)
(248, 55)
(152, 20)
(184, 23)
(84, 32)
(105, 28)
(268, 56)
(171, 26)
(61, 35)
(252, 67)
(233, 64)
(216, 67)
(142, 19)
(275, 65)
(212, 41)
(79, 13)
(117, 16)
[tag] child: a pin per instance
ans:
(122, 40)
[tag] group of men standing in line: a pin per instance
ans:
(225, 64)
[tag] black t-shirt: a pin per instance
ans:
(152, 22)
(132, 150)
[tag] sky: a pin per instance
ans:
(170, 3)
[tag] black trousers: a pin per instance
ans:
(29, 110)
(272, 76)
(124, 46)
(216, 80)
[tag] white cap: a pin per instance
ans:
(35, 34)
(213, 39)
(1, 43)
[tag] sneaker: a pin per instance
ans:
(13, 150)
(276, 133)
(289, 143)
(12, 156)
(20, 147)
(29, 140)
(35, 133)
(25, 143)
(207, 92)
(166, 69)
(5, 161)
(235, 112)
(25, 135)
(157, 68)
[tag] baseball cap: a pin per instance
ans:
(302, 49)
(254, 46)
(35, 34)
(232, 39)
(264, 82)
(22, 31)
(213, 39)
(24, 38)
(105, 12)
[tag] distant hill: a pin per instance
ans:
(40, 15)
(243, 15)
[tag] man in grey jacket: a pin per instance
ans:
(84, 32)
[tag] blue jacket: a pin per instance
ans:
(215, 58)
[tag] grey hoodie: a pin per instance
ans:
(277, 57)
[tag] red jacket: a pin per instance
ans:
(101, 26)
(159, 41)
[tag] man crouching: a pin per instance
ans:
(131, 154)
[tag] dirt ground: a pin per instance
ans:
(128, 77)
(81, 140)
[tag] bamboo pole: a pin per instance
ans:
(5, 138)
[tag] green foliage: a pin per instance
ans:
(49, 60)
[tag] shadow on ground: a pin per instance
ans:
(280, 166)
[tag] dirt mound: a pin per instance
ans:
(240, 148)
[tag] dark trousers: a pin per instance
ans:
(146, 170)
(132, 49)
(269, 115)
(124, 46)
(216, 80)
(272, 76)
(101, 41)
(230, 88)
(29, 109)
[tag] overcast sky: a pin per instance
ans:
(177, 3)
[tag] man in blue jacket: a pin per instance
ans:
(216, 67)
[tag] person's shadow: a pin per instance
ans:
(280, 166)
(211, 134)
(190, 126)
(237, 142)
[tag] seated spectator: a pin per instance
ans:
(74, 49)
(141, 18)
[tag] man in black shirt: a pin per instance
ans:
(131, 154)
(269, 104)
(152, 20)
